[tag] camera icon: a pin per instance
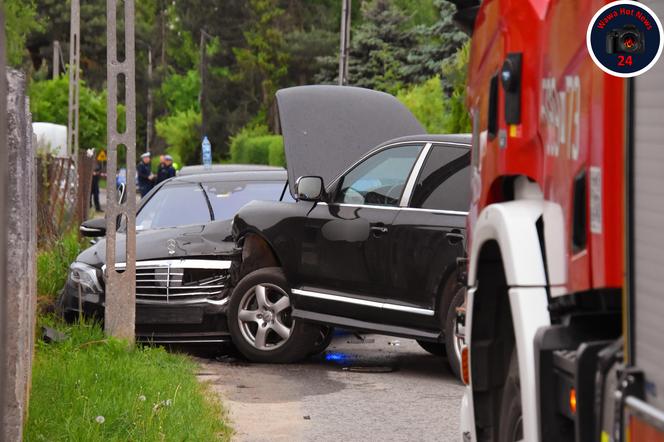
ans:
(625, 40)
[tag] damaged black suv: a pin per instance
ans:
(373, 240)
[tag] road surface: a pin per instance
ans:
(325, 399)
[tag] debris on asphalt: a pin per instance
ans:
(370, 369)
(307, 418)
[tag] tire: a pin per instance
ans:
(452, 343)
(325, 335)
(435, 348)
(260, 323)
(511, 419)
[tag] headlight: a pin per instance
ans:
(85, 276)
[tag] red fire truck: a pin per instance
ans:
(564, 325)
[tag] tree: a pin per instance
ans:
(49, 103)
(436, 43)
(181, 132)
(19, 23)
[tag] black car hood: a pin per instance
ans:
(328, 128)
(213, 239)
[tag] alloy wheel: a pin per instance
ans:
(264, 317)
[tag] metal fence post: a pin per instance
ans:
(120, 310)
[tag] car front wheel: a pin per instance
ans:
(260, 321)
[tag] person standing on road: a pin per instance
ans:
(166, 170)
(94, 194)
(145, 176)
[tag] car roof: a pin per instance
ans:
(464, 139)
(248, 175)
(200, 169)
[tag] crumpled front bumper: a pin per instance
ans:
(196, 321)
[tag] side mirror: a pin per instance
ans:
(93, 228)
(309, 188)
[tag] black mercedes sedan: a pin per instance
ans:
(374, 240)
(183, 252)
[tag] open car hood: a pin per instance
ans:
(328, 128)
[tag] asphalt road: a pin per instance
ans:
(326, 399)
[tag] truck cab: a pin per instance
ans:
(547, 222)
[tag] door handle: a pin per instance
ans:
(455, 236)
(378, 229)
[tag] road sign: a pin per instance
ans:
(101, 156)
(207, 153)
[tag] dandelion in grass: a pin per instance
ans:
(100, 419)
(168, 402)
(142, 398)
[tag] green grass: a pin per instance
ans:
(89, 388)
(53, 262)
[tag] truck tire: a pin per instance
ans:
(435, 348)
(452, 343)
(260, 322)
(511, 419)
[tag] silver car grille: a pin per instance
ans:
(179, 280)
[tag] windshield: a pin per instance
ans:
(181, 204)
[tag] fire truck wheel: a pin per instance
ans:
(511, 418)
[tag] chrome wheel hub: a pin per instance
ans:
(264, 317)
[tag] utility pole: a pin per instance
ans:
(203, 74)
(120, 309)
(148, 130)
(4, 209)
(56, 59)
(345, 42)
(74, 73)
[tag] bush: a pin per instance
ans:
(254, 145)
(182, 135)
(53, 262)
(49, 102)
(425, 101)
(93, 388)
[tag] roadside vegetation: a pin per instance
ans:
(92, 388)
(89, 387)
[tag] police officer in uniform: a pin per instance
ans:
(145, 176)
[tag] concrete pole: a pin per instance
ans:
(344, 42)
(4, 319)
(56, 59)
(148, 130)
(74, 73)
(120, 310)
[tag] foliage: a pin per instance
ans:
(94, 388)
(455, 71)
(436, 43)
(49, 103)
(19, 23)
(254, 145)
(180, 92)
(53, 262)
(182, 134)
(425, 101)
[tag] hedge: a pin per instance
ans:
(262, 149)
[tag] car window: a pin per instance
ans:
(174, 205)
(444, 182)
(227, 197)
(379, 179)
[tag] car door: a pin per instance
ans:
(428, 236)
(345, 261)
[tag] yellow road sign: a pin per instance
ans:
(101, 156)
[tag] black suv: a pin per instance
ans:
(374, 249)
